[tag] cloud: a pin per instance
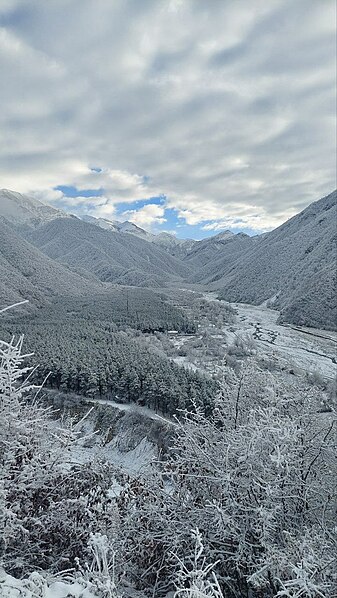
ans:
(148, 216)
(225, 108)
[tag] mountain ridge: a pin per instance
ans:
(22, 210)
(285, 261)
(163, 239)
(106, 254)
(293, 267)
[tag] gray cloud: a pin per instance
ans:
(227, 108)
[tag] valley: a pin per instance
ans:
(309, 351)
(293, 356)
(161, 387)
(168, 299)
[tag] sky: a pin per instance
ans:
(186, 116)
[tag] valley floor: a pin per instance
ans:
(304, 350)
(308, 349)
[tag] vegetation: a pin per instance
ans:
(255, 483)
(94, 359)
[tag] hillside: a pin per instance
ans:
(212, 257)
(26, 273)
(175, 246)
(111, 256)
(294, 267)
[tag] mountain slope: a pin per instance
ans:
(294, 266)
(22, 210)
(111, 256)
(213, 257)
(26, 273)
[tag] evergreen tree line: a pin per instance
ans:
(141, 309)
(94, 359)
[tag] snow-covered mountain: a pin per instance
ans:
(22, 210)
(118, 252)
(26, 273)
(294, 266)
(26, 212)
(208, 252)
(117, 227)
(109, 255)
(174, 245)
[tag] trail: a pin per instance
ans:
(132, 408)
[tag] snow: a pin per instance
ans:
(91, 444)
(296, 261)
(139, 459)
(21, 209)
(133, 462)
(133, 408)
(310, 350)
(313, 351)
(35, 586)
(182, 360)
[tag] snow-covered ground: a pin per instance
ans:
(130, 447)
(133, 462)
(36, 587)
(308, 349)
(305, 349)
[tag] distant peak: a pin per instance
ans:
(226, 234)
(21, 209)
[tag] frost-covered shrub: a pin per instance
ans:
(48, 506)
(55, 518)
(258, 480)
(197, 580)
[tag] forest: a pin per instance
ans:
(142, 309)
(81, 352)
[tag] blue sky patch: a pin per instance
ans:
(69, 191)
(138, 204)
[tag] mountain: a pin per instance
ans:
(26, 273)
(24, 211)
(178, 247)
(115, 226)
(293, 266)
(212, 257)
(111, 256)
(172, 244)
(133, 229)
(46, 252)
(118, 252)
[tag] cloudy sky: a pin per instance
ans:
(191, 116)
